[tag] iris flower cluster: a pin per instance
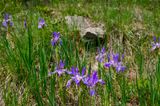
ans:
(7, 20)
(114, 60)
(155, 43)
(78, 77)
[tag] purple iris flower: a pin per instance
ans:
(120, 67)
(100, 57)
(76, 76)
(41, 23)
(59, 69)
(91, 82)
(7, 21)
(114, 61)
(55, 38)
(155, 44)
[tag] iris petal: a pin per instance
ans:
(69, 83)
(92, 92)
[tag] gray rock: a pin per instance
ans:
(77, 22)
(89, 31)
(92, 33)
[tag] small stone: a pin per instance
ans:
(92, 33)
(89, 31)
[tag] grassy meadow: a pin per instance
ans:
(44, 63)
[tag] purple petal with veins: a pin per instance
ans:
(6, 16)
(83, 71)
(116, 57)
(61, 64)
(107, 64)
(101, 55)
(154, 39)
(69, 83)
(101, 81)
(4, 23)
(92, 92)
